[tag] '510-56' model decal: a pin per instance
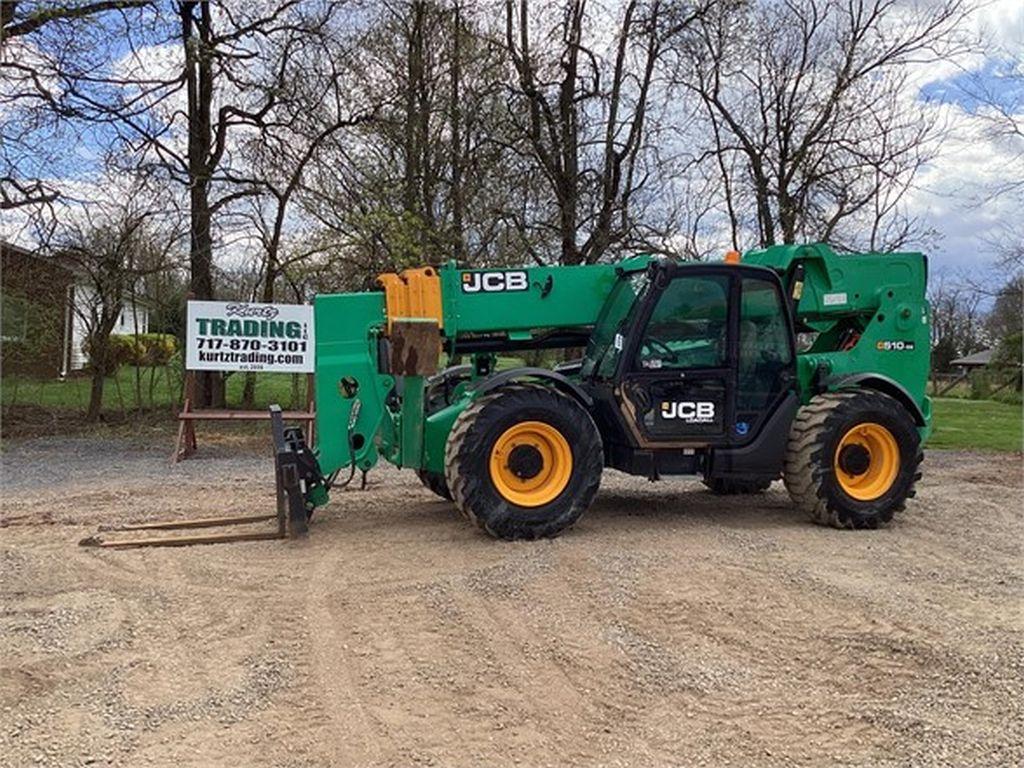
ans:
(895, 346)
(494, 282)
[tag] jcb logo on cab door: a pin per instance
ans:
(699, 412)
(494, 282)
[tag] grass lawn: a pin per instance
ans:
(976, 425)
(73, 393)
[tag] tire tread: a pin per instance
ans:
(466, 489)
(804, 472)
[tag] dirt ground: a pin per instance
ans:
(670, 627)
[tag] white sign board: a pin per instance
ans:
(243, 336)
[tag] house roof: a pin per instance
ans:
(60, 262)
(10, 249)
(977, 359)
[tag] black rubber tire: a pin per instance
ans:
(435, 482)
(809, 472)
(436, 397)
(722, 486)
(468, 451)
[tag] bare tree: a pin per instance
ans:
(44, 46)
(185, 118)
(177, 119)
(804, 103)
(1003, 125)
(957, 320)
(1005, 325)
(429, 178)
(582, 120)
(110, 247)
(311, 106)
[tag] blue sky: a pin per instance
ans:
(956, 194)
(998, 81)
(952, 193)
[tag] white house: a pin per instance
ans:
(134, 318)
(45, 313)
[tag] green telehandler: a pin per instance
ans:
(792, 362)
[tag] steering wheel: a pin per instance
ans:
(652, 343)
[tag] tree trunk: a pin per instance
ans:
(249, 391)
(141, 357)
(152, 385)
(103, 323)
(201, 258)
(788, 214)
(99, 354)
(414, 76)
(569, 129)
(197, 34)
(458, 201)
(95, 396)
(267, 297)
(764, 212)
(427, 172)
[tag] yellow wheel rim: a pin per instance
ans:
(531, 463)
(867, 461)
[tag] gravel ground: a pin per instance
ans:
(670, 627)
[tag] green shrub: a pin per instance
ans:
(120, 351)
(1009, 351)
(146, 349)
(981, 385)
(1010, 395)
(154, 348)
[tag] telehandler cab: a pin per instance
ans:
(793, 361)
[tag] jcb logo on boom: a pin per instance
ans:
(700, 412)
(493, 282)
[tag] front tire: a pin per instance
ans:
(439, 389)
(435, 482)
(853, 459)
(524, 462)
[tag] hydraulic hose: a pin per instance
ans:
(353, 416)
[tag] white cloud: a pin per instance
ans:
(954, 193)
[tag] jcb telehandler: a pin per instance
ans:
(793, 361)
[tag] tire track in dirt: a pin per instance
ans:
(670, 627)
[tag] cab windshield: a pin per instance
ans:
(608, 338)
(687, 328)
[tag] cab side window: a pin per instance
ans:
(688, 326)
(764, 344)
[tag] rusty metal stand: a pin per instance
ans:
(185, 445)
(291, 512)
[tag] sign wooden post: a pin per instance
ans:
(186, 445)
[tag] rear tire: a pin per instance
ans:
(853, 459)
(728, 487)
(524, 462)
